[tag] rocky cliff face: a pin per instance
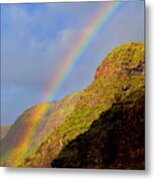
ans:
(105, 129)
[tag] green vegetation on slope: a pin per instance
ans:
(114, 141)
(119, 76)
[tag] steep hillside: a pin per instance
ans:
(33, 127)
(4, 130)
(106, 128)
(114, 141)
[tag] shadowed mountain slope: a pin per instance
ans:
(114, 141)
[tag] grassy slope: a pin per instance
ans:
(119, 75)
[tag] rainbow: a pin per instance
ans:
(106, 12)
(15, 154)
(103, 16)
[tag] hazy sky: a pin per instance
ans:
(36, 37)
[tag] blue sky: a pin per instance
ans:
(36, 37)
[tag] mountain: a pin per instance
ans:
(4, 130)
(101, 126)
(19, 133)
